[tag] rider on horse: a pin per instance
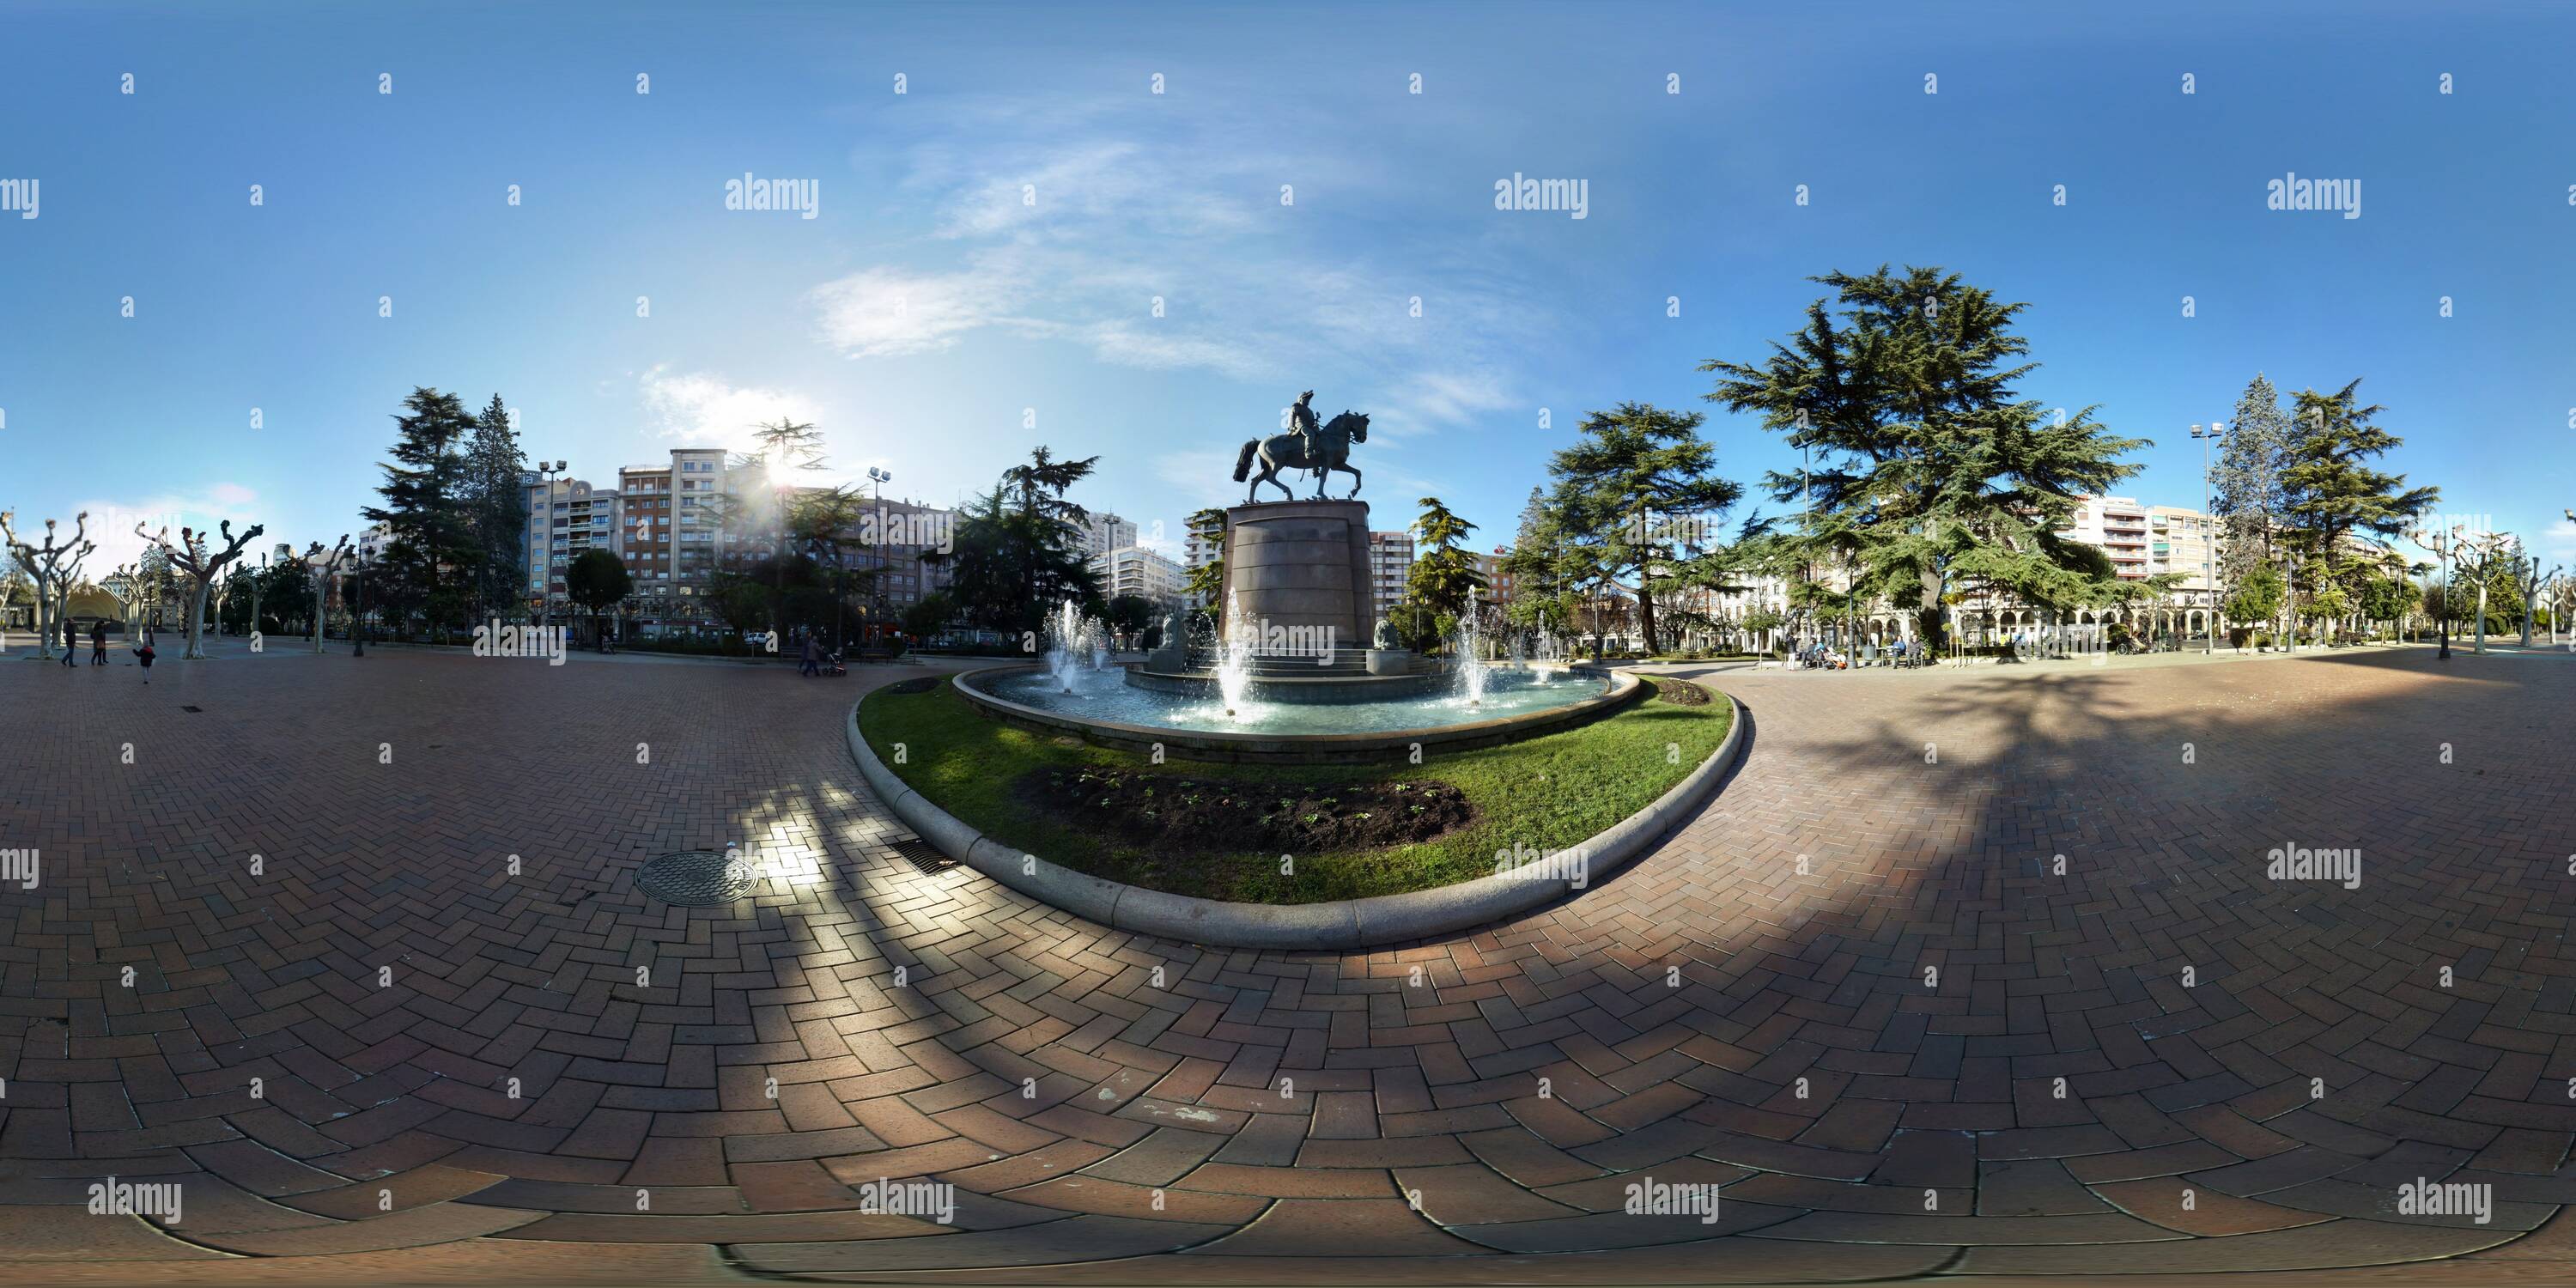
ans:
(1301, 421)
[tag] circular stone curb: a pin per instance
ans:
(1338, 924)
(1303, 748)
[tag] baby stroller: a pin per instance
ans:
(832, 666)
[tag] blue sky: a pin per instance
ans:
(929, 311)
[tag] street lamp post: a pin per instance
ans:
(2440, 545)
(2208, 542)
(878, 478)
(358, 615)
(546, 472)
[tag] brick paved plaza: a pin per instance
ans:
(1933, 1136)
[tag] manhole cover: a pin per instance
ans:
(697, 878)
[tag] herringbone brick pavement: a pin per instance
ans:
(277, 952)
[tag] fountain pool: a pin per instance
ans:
(1105, 696)
(1251, 707)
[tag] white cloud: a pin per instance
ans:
(706, 410)
(1043, 229)
(885, 312)
(2559, 540)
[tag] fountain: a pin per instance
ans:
(1305, 671)
(1472, 671)
(1550, 660)
(1234, 660)
(1077, 647)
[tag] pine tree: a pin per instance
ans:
(1538, 584)
(432, 554)
(2329, 492)
(497, 501)
(1931, 470)
(1636, 469)
(1443, 578)
(2246, 491)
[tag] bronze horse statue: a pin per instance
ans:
(1328, 449)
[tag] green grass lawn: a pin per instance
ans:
(1548, 792)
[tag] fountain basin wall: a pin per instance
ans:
(1275, 687)
(1300, 749)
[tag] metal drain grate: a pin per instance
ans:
(923, 855)
(697, 878)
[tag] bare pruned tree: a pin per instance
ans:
(192, 556)
(323, 563)
(2528, 578)
(54, 568)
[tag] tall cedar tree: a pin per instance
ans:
(1538, 588)
(1443, 577)
(1000, 550)
(1039, 487)
(432, 534)
(1635, 469)
(1930, 470)
(2330, 492)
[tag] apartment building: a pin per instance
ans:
(1499, 581)
(890, 540)
(1198, 552)
(1102, 532)
(566, 517)
(2186, 542)
(1138, 571)
(375, 541)
(1390, 558)
(670, 529)
(2149, 540)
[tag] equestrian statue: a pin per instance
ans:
(1306, 446)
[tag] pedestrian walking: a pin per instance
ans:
(144, 655)
(98, 642)
(71, 639)
(813, 657)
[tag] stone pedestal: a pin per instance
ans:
(1390, 661)
(1298, 571)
